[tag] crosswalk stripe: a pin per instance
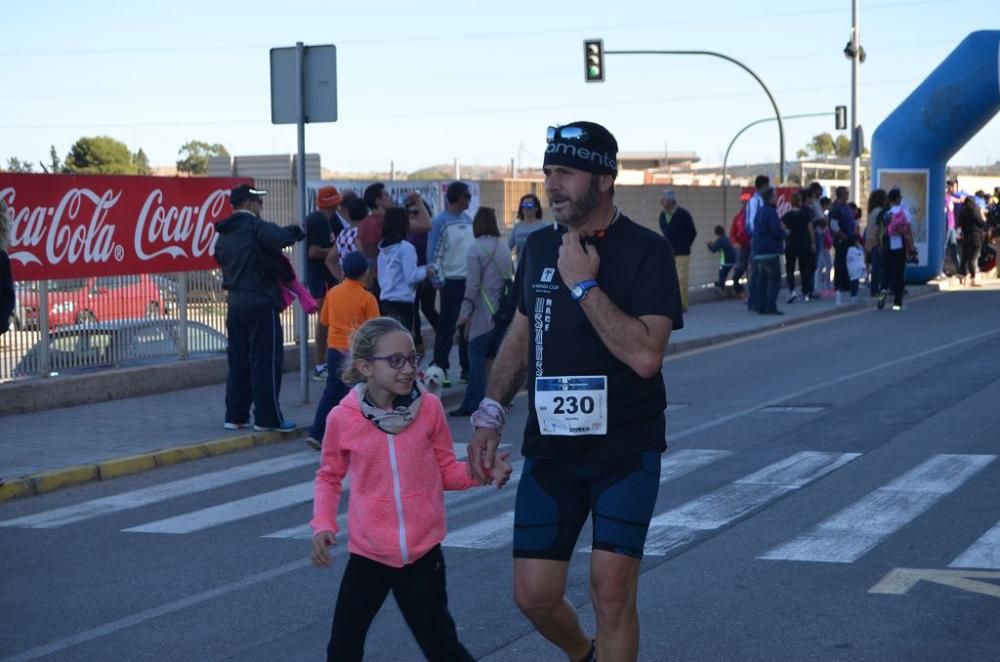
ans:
(498, 530)
(50, 519)
(230, 511)
(683, 524)
(453, 501)
(984, 553)
(855, 530)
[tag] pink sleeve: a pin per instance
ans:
(454, 475)
(329, 478)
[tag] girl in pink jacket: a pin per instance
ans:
(393, 441)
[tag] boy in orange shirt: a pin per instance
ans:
(345, 308)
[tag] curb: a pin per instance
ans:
(49, 481)
(691, 345)
(56, 479)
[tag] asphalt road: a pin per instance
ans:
(831, 492)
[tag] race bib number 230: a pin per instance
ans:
(572, 406)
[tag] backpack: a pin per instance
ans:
(503, 313)
(738, 231)
(897, 222)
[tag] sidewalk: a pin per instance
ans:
(48, 450)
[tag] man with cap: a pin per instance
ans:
(597, 299)
(322, 228)
(245, 248)
(677, 226)
(448, 246)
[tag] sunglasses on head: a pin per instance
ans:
(567, 133)
(398, 360)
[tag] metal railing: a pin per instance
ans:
(76, 325)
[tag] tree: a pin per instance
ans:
(54, 166)
(15, 164)
(102, 155)
(141, 163)
(195, 156)
(842, 145)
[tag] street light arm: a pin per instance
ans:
(777, 113)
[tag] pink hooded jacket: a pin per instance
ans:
(396, 511)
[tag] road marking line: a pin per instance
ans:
(156, 612)
(900, 580)
(712, 511)
(230, 511)
(51, 519)
(855, 530)
(984, 553)
(823, 386)
(498, 531)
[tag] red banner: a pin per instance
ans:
(74, 226)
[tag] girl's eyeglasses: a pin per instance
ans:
(397, 361)
(528, 204)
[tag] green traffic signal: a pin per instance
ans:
(593, 60)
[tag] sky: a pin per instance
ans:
(425, 83)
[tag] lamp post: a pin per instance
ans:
(725, 159)
(777, 113)
(856, 54)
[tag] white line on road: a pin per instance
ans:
(498, 530)
(855, 530)
(682, 525)
(230, 511)
(452, 501)
(156, 612)
(822, 386)
(984, 553)
(143, 497)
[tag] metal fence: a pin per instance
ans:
(70, 326)
(66, 326)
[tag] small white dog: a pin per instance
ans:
(431, 379)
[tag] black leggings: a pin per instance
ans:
(970, 257)
(805, 260)
(401, 310)
(895, 273)
(420, 592)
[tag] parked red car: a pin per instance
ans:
(93, 299)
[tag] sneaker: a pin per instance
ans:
(446, 383)
(320, 373)
(314, 444)
(793, 298)
(235, 426)
(895, 307)
(880, 302)
(287, 426)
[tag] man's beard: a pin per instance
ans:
(581, 208)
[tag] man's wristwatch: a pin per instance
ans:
(579, 291)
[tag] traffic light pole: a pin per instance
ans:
(777, 113)
(725, 159)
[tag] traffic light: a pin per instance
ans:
(593, 60)
(841, 121)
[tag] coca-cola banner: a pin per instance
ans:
(73, 226)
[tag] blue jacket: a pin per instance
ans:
(768, 235)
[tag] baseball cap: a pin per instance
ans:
(354, 265)
(245, 192)
(586, 146)
(328, 197)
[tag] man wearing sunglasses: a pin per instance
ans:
(598, 297)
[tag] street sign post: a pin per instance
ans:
(303, 89)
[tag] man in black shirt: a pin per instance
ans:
(322, 228)
(598, 298)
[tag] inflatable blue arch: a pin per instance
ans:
(911, 148)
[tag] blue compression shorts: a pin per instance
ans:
(554, 498)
